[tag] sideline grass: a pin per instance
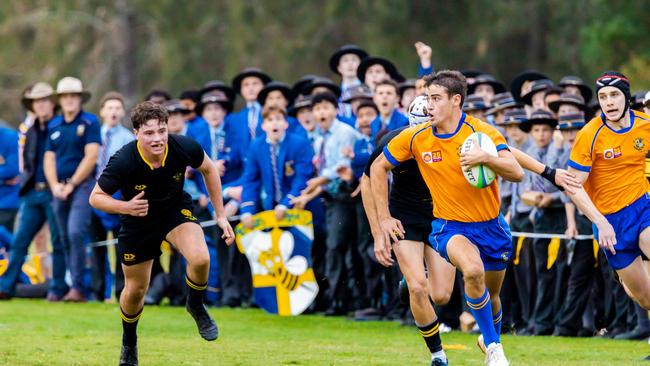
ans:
(33, 332)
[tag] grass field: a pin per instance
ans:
(35, 333)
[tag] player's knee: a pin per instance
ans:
(440, 296)
(135, 291)
(474, 275)
(418, 290)
(200, 260)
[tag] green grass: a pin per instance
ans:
(36, 333)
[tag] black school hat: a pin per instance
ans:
(344, 50)
(249, 71)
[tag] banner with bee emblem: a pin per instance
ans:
(279, 253)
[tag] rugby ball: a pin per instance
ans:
(417, 111)
(479, 176)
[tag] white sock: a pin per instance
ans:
(439, 355)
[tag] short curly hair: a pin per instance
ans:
(147, 111)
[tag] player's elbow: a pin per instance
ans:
(92, 200)
(518, 175)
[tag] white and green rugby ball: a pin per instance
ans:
(479, 176)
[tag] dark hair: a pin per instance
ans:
(390, 82)
(554, 90)
(273, 109)
(452, 80)
(111, 95)
(367, 104)
(327, 96)
(158, 93)
(147, 111)
(190, 94)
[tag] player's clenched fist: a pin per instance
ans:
(137, 206)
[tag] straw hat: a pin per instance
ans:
(40, 90)
(72, 85)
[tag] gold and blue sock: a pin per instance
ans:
(129, 327)
(496, 319)
(481, 309)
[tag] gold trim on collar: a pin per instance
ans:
(147, 162)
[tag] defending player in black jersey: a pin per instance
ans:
(410, 202)
(150, 173)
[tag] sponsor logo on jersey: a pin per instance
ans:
(432, 156)
(612, 153)
(140, 187)
(128, 257)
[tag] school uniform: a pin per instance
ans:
(68, 140)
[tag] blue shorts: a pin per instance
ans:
(492, 238)
(628, 224)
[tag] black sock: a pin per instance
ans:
(195, 293)
(129, 328)
(431, 336)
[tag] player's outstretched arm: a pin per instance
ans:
(504, 165)
(606, 234)
(559, 177)
(213, 184)
(391, 228)
(369, 206)
(136, 206)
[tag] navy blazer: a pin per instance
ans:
(294, 164)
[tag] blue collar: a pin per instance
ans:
(623, 130)
(448, 135)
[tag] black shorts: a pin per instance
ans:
(417, 232)
(140, 244)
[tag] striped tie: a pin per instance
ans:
(277, 193)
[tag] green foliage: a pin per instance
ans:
(136, 45)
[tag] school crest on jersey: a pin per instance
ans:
(639, 144)
(279, 253)
(177, 177)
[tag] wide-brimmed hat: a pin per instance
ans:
(361, 91)
(568, 98)
(275, 85)
(40, 90)
(520, 79)
(541, 85)
(344, 50)
(72, 85)
(175, 106)
(215, 96)
(298, 104)
(299, 86)
(514, 116)
(502, 101)
(249, 71)
(486, 79)
(474, 103)
(637, 100)
(324, 82)
(571, 121)
(387, 65)
(585, 90)
(538, 117)
(404, 85)
(213, 85)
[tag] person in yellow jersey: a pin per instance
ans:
(469, 232)
(609, 158)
